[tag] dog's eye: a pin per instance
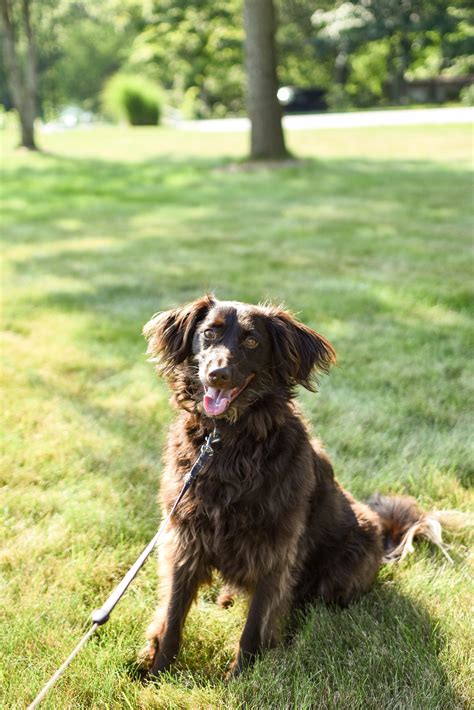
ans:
(210, 334)
(250, 342)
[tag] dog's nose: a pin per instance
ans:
(220, 377)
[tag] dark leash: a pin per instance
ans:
(102, 615)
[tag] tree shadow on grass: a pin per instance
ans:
(64, 188)
(382, 652)
(129, 235)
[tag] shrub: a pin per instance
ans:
(133, 98)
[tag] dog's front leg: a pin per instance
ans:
(269, 603)
(165, 631)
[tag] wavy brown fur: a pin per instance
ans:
(268, 513)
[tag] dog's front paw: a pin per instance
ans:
(236, 667)
(146, 658)
(233, 672)
(150, 669)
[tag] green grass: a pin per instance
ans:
(369, 241)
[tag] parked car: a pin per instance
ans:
(296, 99)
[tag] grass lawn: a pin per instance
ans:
(369, 241)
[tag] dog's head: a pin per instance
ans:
(226, 355)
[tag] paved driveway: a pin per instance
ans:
(402, 117)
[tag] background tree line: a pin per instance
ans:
(361, 52)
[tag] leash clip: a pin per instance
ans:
(213, 438)
(207, 449)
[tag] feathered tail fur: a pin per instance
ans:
(403, 521)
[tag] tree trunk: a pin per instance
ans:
(27, 125)
(22, 85)
(405, 61)
(341, 66)
(267, 140)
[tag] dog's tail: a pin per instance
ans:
(403, 520)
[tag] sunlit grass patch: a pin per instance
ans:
(370, 244)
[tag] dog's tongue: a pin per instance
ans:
(216, 401)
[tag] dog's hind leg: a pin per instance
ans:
(226, 597)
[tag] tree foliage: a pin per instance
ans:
(299, 61)
(86, 43)
(79, 44)
(394, 37)
(361, 51)
(195, 50)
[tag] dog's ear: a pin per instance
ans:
(299, 352)
(170, 334)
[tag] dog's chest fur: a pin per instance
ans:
(247, 509)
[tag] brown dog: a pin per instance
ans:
(268, 513)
